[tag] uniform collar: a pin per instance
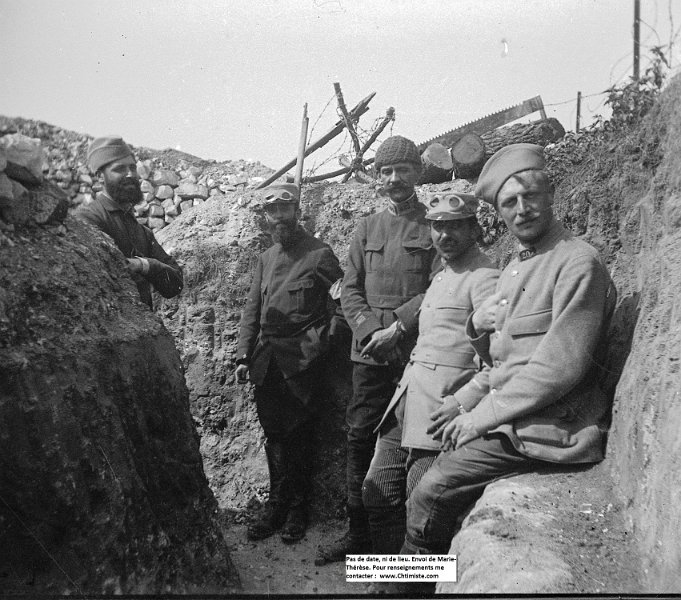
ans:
(555, 233)
(405, 207)
(111, 205)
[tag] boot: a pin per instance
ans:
(273, 515)
(355, 541)
(299, 462)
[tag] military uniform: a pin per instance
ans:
(537, 402)
(390, 262)
(283, 338)
(135, 240)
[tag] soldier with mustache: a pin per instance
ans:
(537, 402)
(112, 161)
(390, 262)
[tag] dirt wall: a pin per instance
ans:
(102, 489)
(624, 196)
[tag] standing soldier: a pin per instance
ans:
(389, 265)
(282, 342)
(440, 364)
(112, 160)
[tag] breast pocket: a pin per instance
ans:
(300, 293)
(531, 324)
(417, 254)
(373, 255)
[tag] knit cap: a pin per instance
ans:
(104, 150)
(397, 149)
(508, 161)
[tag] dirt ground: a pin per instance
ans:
(589, 533)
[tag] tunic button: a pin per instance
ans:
(497, 363)
(493, 391)
(504, 302)
(514, 273)
(439, 278)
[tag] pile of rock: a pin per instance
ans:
(172, 182)
(25, 197)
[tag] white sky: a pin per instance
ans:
(228, 79)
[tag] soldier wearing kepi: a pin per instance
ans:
(112, 160)
(440, 364)
(283, 340)
(537, 401)
(390, 261)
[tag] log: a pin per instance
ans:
(437, 164)
(468, 156)
(543, 133)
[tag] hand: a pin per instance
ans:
(484, 317)
(382, 343)
(241, 373)
(441, 417)
(137, 264)
(458, 432)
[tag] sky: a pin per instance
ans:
(228, 79)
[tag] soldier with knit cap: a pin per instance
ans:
(112, 160)
(390, 261)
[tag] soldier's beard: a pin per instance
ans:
(284, 232)
(127, 191)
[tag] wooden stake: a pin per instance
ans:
(301, 148)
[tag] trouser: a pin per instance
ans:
(456, 479)
(288, 423)
(393, 474)
(373, 387)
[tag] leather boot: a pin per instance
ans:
(273, 515)
(299, 457)
(355, 541)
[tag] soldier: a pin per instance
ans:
(389, 265)
(441, 363)
(112, 160)
(282, 342)
(537, 401)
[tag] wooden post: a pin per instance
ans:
(637, 36)
(301, 148)
(579, 110)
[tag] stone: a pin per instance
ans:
(141, 209)
(198, 201)
(167, 203)
(85, 178)
(144, 169)
(148, 196)
(147, 186)
(164, 191)
(165, 177)
(142, 221)
(18, 211)
(157, 223)
(169, 218)
(6, 194)
(187, 189)
(155, 211)
(186, 205)
(49, 204)
(195, 171)
(25, 158)
(3, 159)
(83, 199)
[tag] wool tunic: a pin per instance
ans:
(540, 384)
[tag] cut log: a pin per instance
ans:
(539, 132)
(468, 156)
(437, 164)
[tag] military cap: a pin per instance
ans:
(104, 150)
(504, 163)
(448, 205)
(284, 193)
